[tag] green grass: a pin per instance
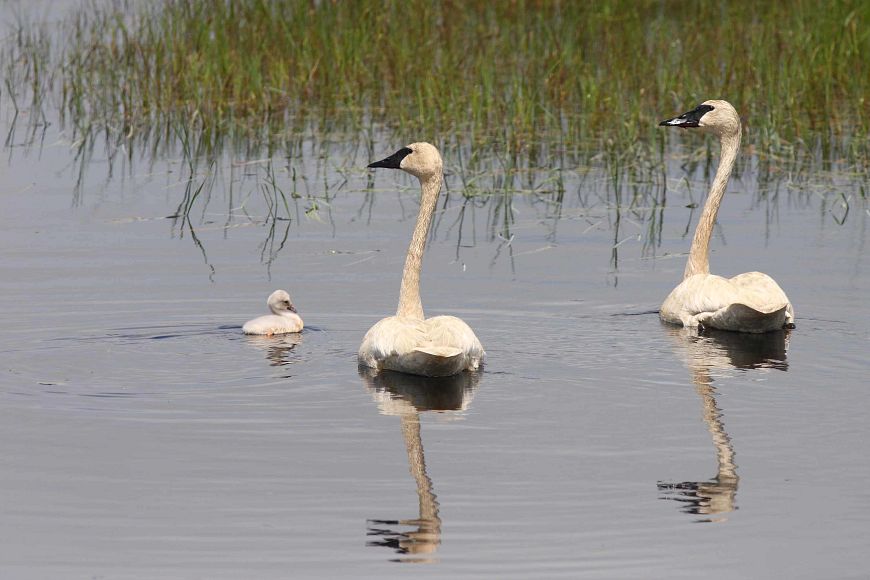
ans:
(522, 77)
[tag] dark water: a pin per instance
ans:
(143, 436)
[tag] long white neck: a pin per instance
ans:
(410, 304)
(699, 255)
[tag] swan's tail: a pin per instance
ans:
(743, 318)
(429, 361)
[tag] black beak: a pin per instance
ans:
(688, 119)
(394, 161)
(291, 308)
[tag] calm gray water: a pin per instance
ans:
(143, 436)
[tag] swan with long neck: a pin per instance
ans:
(409, 342)
(750, 302)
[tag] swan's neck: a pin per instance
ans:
(410, 304)
(429, 518)
(713, 417)
(699, 255)
(278, 312)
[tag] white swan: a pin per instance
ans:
(409, 342)
(750, 302)
(282, 320)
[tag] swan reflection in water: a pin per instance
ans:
(406, 396)
(707, 355)
(278, 347)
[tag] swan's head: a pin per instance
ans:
(715, 116)
(421, 160)
(279, 302)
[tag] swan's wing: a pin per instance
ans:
(450, 331)
(393, 335)
(696, 296)
(742, 318)
(761, 292)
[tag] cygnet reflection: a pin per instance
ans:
(278, 349)
(715, 354)
(406, 396)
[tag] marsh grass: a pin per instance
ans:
(525, 76)
(522, 96)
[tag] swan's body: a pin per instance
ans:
(283, 319)
(435, 347)
(750, 302)
(409, 342)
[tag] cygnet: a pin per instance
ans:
(282, 320)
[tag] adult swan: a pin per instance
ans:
(409, 342)
(750, 302)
